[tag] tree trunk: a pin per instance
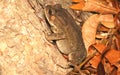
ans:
(24, 49)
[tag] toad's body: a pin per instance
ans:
(67, 34)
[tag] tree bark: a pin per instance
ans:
(24, 49)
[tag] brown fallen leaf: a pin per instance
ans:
(78, 6)
(89, 30)
(77, 0)
(95, 6)
(107, 20)
(96, 59)
(112, 55)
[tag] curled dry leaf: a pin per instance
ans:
(107, 20)
(89, 30)
(95, 6)
(108, 24)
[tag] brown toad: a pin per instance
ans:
(66, 33)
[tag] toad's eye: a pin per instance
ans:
(51, 12)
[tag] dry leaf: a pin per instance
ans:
(89, 30)
(77, 0)
(78, 6)
(95, 6)
(107, 20)
(112, 55)
(96, 59)
(108, 24)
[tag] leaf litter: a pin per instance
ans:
(101, 35)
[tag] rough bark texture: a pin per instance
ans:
(23, 47)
